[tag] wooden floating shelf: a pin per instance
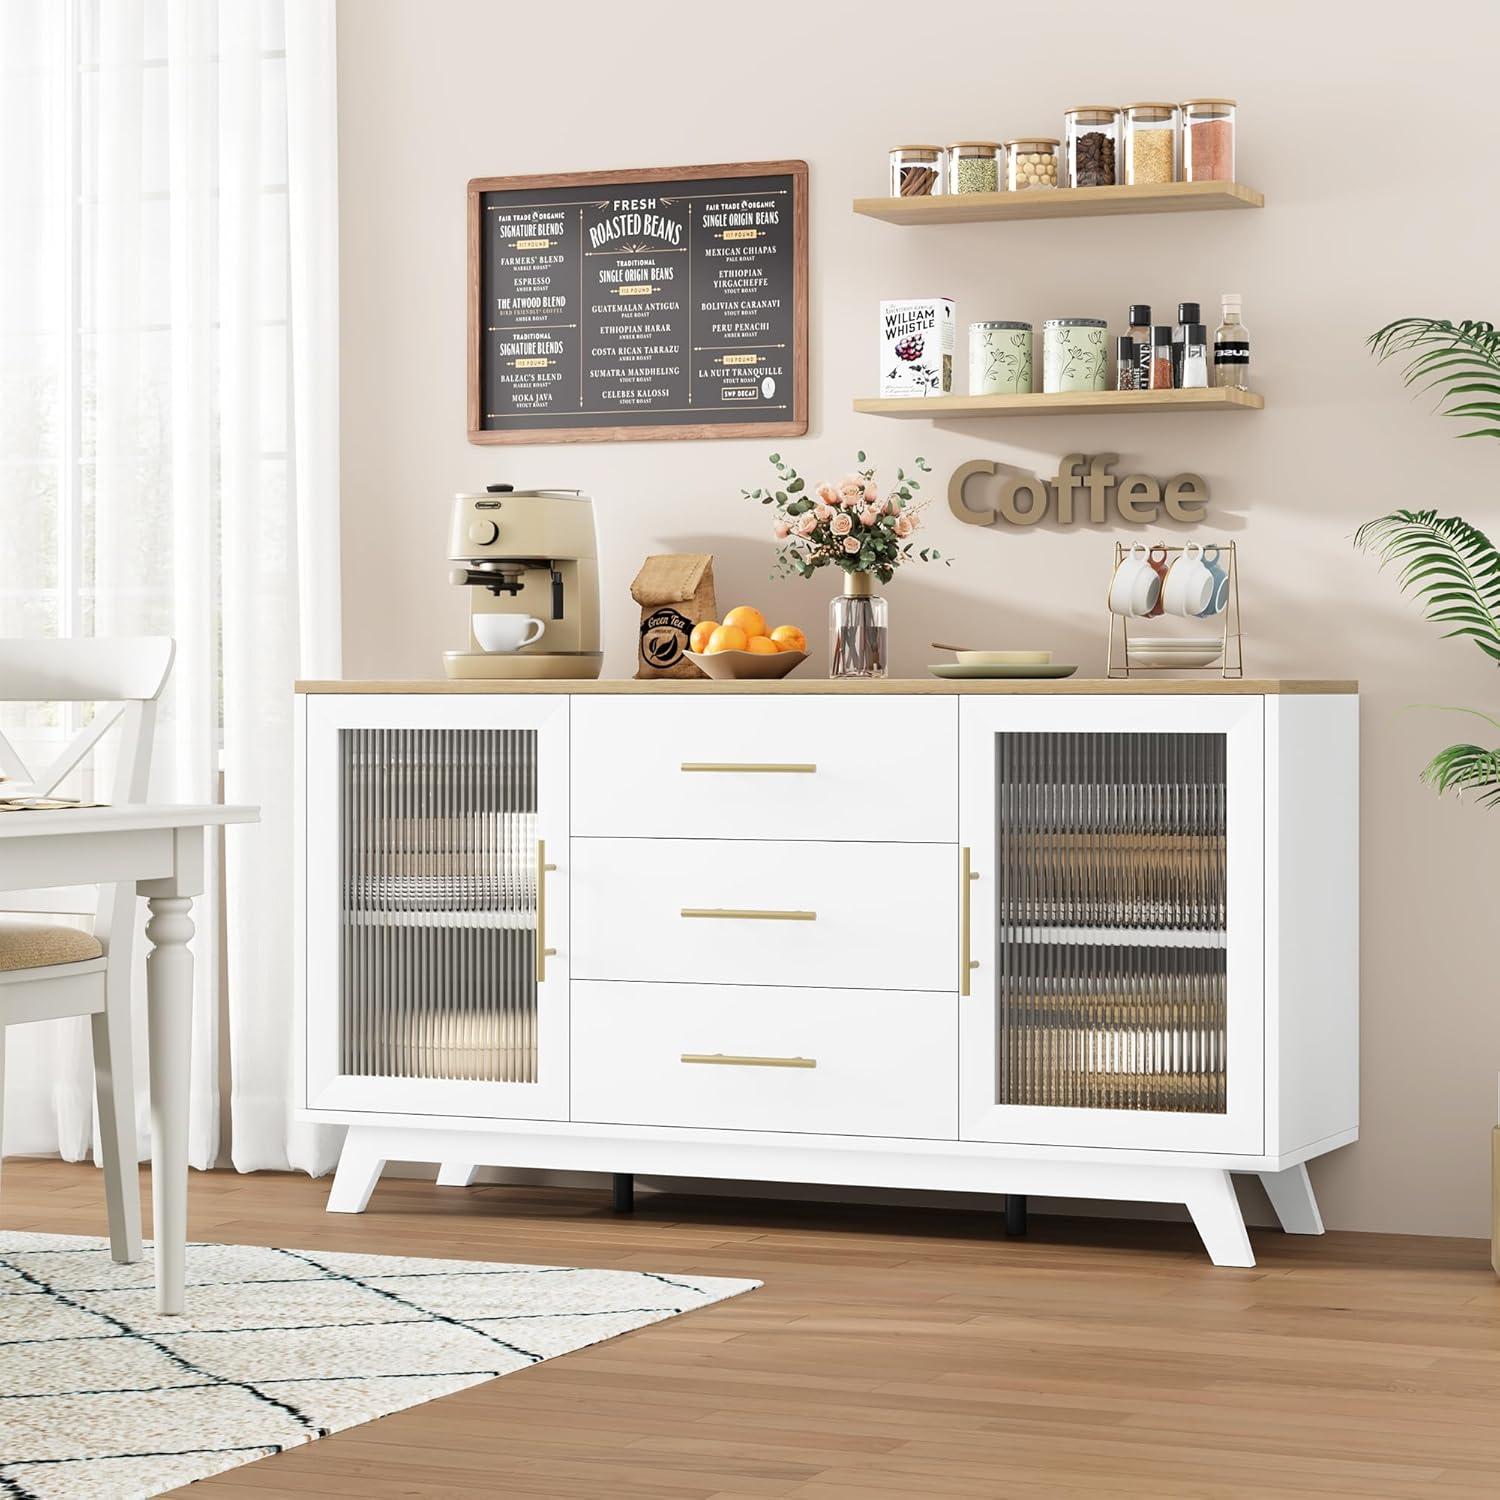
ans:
(1061, 203)
(1059, 403)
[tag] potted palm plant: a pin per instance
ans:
(1449, 566)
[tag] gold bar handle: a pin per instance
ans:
(966, 878)
(749, 916)
(543, 952)
(790, 766)
(725, 1059)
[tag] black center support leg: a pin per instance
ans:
(1015, 1213)
(624, 1192)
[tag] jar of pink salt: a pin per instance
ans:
(1208, 140)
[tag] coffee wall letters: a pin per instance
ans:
(1083, 490)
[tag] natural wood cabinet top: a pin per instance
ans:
(804, 686)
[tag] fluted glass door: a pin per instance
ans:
(1117, 920)
(437, 898)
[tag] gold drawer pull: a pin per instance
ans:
(793, 766)
(726, 1059)
(750, 916)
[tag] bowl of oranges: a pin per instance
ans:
(742, 645)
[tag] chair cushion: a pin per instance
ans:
(28, 944)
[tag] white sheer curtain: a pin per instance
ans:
(168, 458)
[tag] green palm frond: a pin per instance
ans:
(1451, 567)
(1463, 768)
(1459, 360)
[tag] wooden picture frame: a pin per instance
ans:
(793, 423)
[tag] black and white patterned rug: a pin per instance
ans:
(103, 1398)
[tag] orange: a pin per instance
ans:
(726, 638)
(789, 638)
(698, 641)
(763, 645)
(751, 621)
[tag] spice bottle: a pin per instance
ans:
(1208, 140)
(974, 166)
(1161, 357)
(1031, 162)
(1124, 363)
(1193, 369)
(1187, 312)
(1092, 134)
(1140, 333)
(1232, 348)
(1150, 144)
(916, 171)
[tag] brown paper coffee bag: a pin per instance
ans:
(674, 591)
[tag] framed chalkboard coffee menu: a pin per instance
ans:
(659, 303)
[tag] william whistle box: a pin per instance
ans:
(916, 347)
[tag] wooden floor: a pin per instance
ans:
(902, 1353)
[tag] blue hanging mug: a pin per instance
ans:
(1220, 595)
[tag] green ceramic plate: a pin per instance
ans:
(961, 670)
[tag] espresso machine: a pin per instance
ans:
(529, 561)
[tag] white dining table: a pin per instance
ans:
(160, 848)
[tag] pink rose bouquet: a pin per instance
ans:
(846, 523)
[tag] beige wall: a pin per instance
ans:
(1381, 201)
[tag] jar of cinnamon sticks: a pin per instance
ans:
(916, 171)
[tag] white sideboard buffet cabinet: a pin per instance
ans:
(1081, 939)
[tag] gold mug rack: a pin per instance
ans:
(1231, 660)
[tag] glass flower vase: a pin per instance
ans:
(857, 630)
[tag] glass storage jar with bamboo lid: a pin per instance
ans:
(916, 171)
(1031, 162)
(1208, 140)
(974, 166)
(1092, 134)
(1150, 144)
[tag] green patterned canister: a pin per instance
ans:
(999, 359)
(1074, 354)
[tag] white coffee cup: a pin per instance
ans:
(1136, 585)
(506, 632)
(1189, 584)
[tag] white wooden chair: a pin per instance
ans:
(48, 970)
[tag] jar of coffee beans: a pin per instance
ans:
(974, 166)
(1150, 144)
(1032, 162)
(1092, 134)
(916, 171)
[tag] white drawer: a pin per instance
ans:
(729, 911)
(828, 1062)
(629, 755)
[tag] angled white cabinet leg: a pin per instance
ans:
(1218, 1220)
(360, 1166)
(1291, 1195)
(456, 1174)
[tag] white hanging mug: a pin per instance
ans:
(1136, 586)
(1189, 584)
(507, 632)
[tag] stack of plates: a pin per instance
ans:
(1176, 650)
(980, 664)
